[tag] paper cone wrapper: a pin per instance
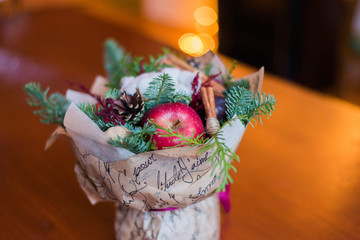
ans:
(175, 177)
(180, 178)
(169, 178)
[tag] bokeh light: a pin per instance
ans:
(207, 27)
(191, 44)
(207, 41)
(205, 15)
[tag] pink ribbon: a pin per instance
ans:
(224, 198)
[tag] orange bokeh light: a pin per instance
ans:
(207, 41)
(191, 44)
(205, 15)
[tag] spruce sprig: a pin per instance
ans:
(181, 96)
(227, 78)
(138, 66)
(237, 101)
(116, 62)
(181, 138)
(91, 110)
(262, 105)
(160, 90)
(242, 102)
(52, 109)
(138, 141)
(241, 83)
(113, 93)
(222, 157)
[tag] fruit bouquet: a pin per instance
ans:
(158, 137)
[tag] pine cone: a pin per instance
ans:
(130, 108)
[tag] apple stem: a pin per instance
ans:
(177, 123)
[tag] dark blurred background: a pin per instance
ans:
(297, 39)
(312, 43)
(308, 42)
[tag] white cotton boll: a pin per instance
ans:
(183, 88)
(130, 87)
(186, 78)
(173, 72)
(144, 79)
(182, 80)
(126, 81)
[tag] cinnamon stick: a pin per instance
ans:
(208, 98)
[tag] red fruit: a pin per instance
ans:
(177, 116)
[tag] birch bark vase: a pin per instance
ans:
(200, 221)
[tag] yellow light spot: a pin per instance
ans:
(208, 42)
(205, 15)
(210, 29)
(191, 44)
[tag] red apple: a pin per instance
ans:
(177, 116)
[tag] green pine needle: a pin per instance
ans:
(52, 109)
(228, 78)
(116, 62)
(237, 100)
(160, 90)
(154, 65)
(222, 157)
(138, 141)
(242, 102)
(181, 96)
(241, 83)
(113, 93)
(261, 105)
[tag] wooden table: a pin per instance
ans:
(299, 176)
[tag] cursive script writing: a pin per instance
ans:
(143, 166)
(180, 172)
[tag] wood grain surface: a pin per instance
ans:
(299, 176)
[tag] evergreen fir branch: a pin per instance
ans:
(155, 64)
(138, 141)
(181, 138)
(242, 102)
(222, 156)
(237, 100)
(139, 66)
(92, 112)
(227, 79)
(136, 66)
(116, 62)
(113, 93)
(262, 105)
(161, 90)
(181, 96)
(241, 83)
(52, 109)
